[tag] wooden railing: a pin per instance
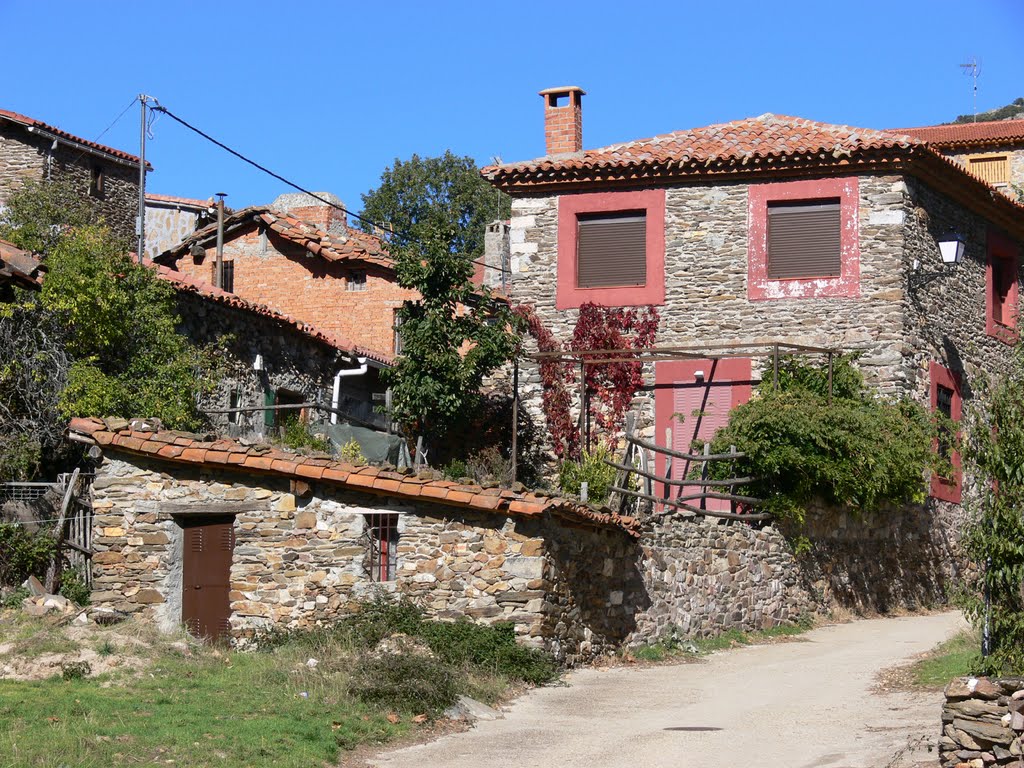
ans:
(688, 493)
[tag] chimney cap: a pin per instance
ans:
(562, 89)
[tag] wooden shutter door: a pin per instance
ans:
(206, 577)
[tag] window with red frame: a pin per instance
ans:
(1001, 288)
(946, 400)
(383, 554)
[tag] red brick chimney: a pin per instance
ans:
(563, 119)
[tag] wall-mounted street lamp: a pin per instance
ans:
(951, 251)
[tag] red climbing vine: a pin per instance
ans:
(611, 387)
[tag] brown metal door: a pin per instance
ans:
(206, 578)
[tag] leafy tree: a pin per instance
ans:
(426, 195)
(994, 538)
(99, 339)
(1011, 111)
(452, 337)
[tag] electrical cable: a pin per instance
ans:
(282, 179)
(104, 131)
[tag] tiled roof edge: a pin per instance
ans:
(145, 437)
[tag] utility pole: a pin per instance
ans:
(219, 270)
(140, 222)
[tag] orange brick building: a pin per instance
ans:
(299, 256)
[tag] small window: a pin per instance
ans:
(1004, 275)
(96, 181)
(994, 169)
(946, 399)
(944, 405)
(804, 240)
(383, 554)
(611, 250)
(228, 284)
(234, 401)
(397, 325)
(356, 281)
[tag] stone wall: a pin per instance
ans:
(167, 224)
(1014, 154)
(27, 156)
(983, 723)
(704, 577)
(292, 360)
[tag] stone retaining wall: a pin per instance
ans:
(983, 723)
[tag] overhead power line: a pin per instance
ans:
(164, 110)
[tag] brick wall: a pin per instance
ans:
(24, 156)
(273, 271)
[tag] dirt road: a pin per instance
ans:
(800, 705)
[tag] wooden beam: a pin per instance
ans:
(201, 507)
(686, 456)
(752, 517)
(680, 483)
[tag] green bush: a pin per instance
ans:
(24, 554)
(74, 588)
(455, 470)
(591, 470)
(859, 451)
(491, 647)
(298, 436)
(407, 682)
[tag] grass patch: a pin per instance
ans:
(674, 646)
(960, 655)
(208, 707)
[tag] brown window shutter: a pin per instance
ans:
(994, 170)
(611, 250)
(803, 240)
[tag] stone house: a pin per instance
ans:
(231, 539)
(266, 358)
(763, 230)
(299, 255)
(992, 150)
(107, 178)
(170, 219)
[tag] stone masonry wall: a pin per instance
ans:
(273, 271)
(1014, 154)
(292, 361)
(168, 224)
(982, 723)
(704, 578)
(27, 156)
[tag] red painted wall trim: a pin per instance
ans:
(759, 287)
(1001, 247)
(943, 488)
(734, 372)
(568, 295)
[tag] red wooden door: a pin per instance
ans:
(693, 398)
(206, 577)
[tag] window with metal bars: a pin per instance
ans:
(804, 239)
(611, 250)
(356, 281)
(383, 554)
(944, 405)
(397, 325)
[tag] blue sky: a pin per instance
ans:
(329, 93)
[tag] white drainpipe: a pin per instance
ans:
(363, 368)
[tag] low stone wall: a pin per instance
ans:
(894, 558)
(704, 577)
(983, 723)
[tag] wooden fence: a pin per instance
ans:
(689, 493)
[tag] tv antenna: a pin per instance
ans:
(973, 69)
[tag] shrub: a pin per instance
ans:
(75, 670)
(352, 453)
(406, 682)
(74, 588)
(859, 451)
(591, 470)
(455, 470)
(491, 647)
(24, 554)
(489, 466)
(298, 436)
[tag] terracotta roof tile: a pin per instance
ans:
(20, 266)
(33, 123)
(180, 447)
(350, 245)
(987, 133)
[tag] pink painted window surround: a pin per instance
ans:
(1001, 289)
(759, 286)
(694, 408)
(945, 396)
(570, 207)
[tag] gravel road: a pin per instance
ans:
(804, 704)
